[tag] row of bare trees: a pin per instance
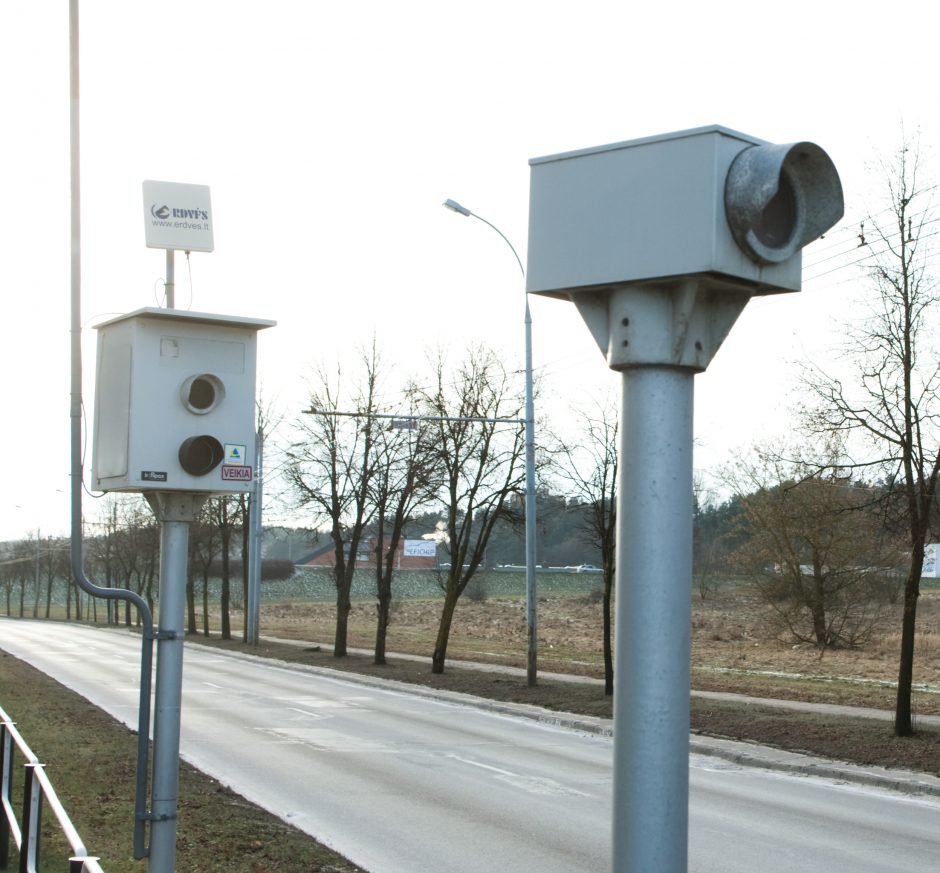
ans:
(31, 572)
(357, 468)
(123, 551)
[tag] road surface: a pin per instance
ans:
(412, 784)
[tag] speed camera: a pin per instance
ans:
(708, 202)
(175, 402)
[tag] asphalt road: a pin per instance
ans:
(413, 784)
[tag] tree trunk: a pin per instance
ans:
(381, 630)
(205, 604)
(226, 605)
(817, 607)
(903, 722)
(343, 607)
(443, 631)
(190, 605)
(608, 647)
(226, 598)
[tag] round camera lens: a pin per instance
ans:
(199, 455)
(777, 221)
(201, 393)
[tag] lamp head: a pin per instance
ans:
(454, 206)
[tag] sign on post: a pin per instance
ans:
(420, 549)
(178, 216)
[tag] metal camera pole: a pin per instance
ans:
(175, 512)
(654, 572)
(654, 337)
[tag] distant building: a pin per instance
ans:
(409, 555)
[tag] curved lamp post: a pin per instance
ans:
(530, 584)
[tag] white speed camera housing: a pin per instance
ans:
(175, 402)
(695, 222)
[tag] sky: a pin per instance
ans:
(330, 134)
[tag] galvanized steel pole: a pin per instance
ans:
(253, 608)
(531, 586)
(176, 511)
(653, 618)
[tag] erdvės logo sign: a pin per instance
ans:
(177, 216)
(164, 213)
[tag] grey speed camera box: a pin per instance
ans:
(175, 402)
(678, 204)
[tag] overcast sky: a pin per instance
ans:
(330, 133)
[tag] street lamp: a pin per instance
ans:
(530, 584)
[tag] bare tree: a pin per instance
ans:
(10, 568)
(892, 403)
(479, 441)
(102, 553)
(588, 467)
(331, 467)
(225, 516)
(135, 547)
(17, 570)
(203, 550)
(815, 546)
(405, 479)
(54, 564)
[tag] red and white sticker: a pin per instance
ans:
(236, 474)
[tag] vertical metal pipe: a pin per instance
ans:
(168, 695)
(653, 618)
(170, 284)
(76, 416)
(531, 589)
(253, 610)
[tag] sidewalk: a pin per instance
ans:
(733, 751)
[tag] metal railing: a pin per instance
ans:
(37, 787)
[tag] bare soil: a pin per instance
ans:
(737, 645)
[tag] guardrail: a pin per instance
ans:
(37, 787)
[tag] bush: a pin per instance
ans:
(477, 590)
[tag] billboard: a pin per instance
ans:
(420, 549)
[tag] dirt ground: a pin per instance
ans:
(735, 638)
